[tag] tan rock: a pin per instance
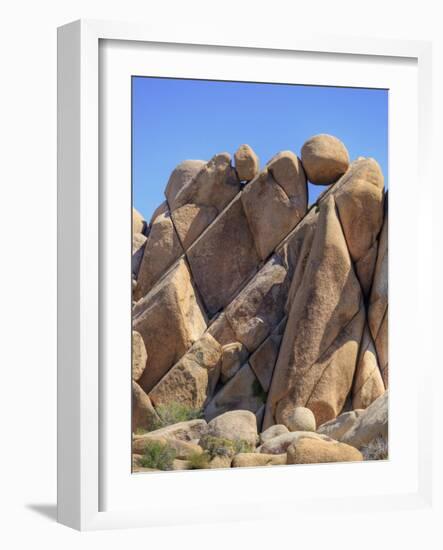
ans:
(336, 428)
(138, 247)
(162, 249)
(287, 171)
(191, 220)
(299, 419)
(368, 383)
(221, 330)
(259, 307)
(169, 320)
(324, 159)
(233, 357)
(180, 464)
(312, 451)
(139, 355)
(216, 184)
(272, 432)
(220, 462)
(372, 423)
(251, 460)
(181, 176)
(192, 380)
(183, 449)
(223, 258)
(278, 445)
(378, 303)
(263, 360)
(364, 268)
(243, 391)
(359, 198)
(161, 209)
(270, 211)
(319, 348)
(246, 163)
(138, 223)
(235, 425)
(190, 431)
(143, 413)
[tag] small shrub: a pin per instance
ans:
(258, 391)
(157, 455)
(377, 449)
(218, 446)
(199, 461)
(174, 412)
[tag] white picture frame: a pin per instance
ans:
(84, 210)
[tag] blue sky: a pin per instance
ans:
(175, 119)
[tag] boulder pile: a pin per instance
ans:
(266, 319)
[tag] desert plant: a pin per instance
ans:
(174, 412)
(377, 449)
(199, 461)
(258, 391)
(157, 455)
(218, 446)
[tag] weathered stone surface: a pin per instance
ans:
(220, 462)
(243, 391)
(233, 357)
(272, 432)
(319, 349)
(364, 268)
(263, 360)
(169, 320)
(324, 159)
(180, 464)
(223, 258)
(161, 209)
(373, 422)
(162, 249)
(191, 220)
(190, 430)
(138, 247)
(378, 303)
(368, 383)
(271, 212)
(246, 163)
(287, 171)
(235, 425)
(138, 223)
(192, 380)
(251, 460)
(259, 307)
(222, 331)
(139, 355)
(181, 176)
(183, 449)
(359, 198)
(312, 451)
(216, 184)
(143, 413)
(336, 428)
(299, 419)
(278, 445)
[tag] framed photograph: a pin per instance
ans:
(235, 232)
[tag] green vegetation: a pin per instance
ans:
(199, 461)
(157, 455)
(175, 412)
(258, 391)
(217, 446)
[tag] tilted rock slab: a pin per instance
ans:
(312, 451)
(169, 319)
(368, 381)
(372, 423)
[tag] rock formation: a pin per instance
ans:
(268, 317)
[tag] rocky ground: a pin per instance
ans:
(259, 324)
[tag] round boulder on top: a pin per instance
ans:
(324, 158)
(246, 163)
